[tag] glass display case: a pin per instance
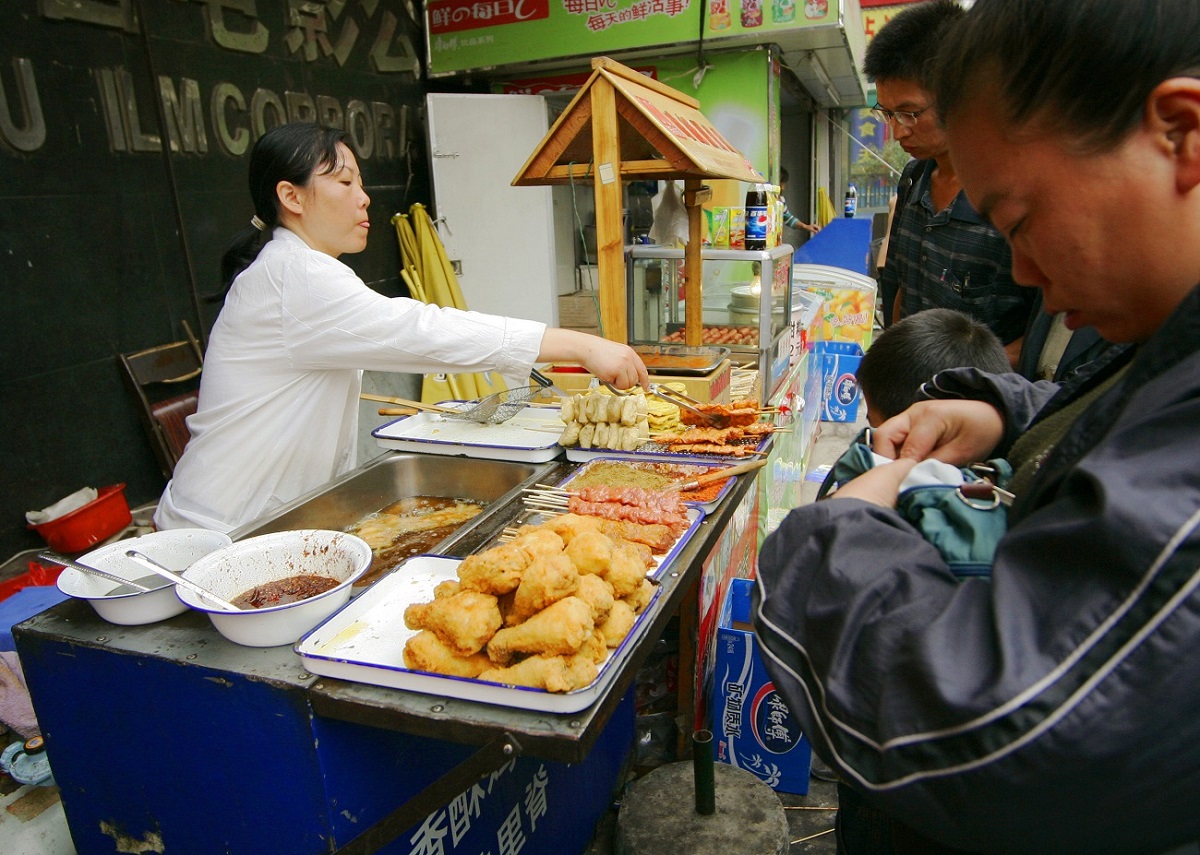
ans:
(747, 303)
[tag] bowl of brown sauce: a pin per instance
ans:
(283, 583)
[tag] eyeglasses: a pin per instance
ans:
(904, 118)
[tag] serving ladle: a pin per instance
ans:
(151, 564)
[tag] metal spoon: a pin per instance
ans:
(125, 586)
(151, 564)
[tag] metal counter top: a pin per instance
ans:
(189, 640)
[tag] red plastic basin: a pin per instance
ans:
(84, 527)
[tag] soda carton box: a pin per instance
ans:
(753, 727)
(838, 363)
(848, 313)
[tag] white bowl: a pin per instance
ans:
(175, 549)
(234, 570)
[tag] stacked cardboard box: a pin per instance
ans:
(580, 310)
(754, 728)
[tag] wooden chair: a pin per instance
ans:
(165, 382)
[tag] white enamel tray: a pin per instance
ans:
(531, 436)
(364, 642)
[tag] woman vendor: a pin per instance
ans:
(278, 411)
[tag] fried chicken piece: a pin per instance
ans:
(590, 551)
(625, 572)
(505, 602)
(642, 549)
(424, 652)
(464, 622)
(494, 571)
(538, 542)
(596, 647)
(641, 598)
(447, 589)
(620, 621)
(599, 595)
(552, 673)
(546, 580)
(557, 630)
(568, 526)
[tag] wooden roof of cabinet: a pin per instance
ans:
(624, 126)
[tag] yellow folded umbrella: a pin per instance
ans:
(430, 278)
(826, 213)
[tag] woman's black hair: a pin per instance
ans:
(1082, 67)
(294, 153)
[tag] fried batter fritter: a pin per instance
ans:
(590, 551)
(626, 570)
(599, 595)
(620, 621)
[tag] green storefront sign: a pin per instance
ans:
(474, 34)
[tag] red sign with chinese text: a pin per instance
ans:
(454, 16)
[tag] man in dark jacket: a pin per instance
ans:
(1051, 709)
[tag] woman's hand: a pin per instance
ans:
(614, 362)
(954, 431)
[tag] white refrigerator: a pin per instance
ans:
(513, 247)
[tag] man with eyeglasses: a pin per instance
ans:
(941, 253)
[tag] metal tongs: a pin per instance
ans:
(682, 401)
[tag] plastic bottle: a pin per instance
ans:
(851, 201)
(756, 217)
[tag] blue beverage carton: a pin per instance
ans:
(838, 363)
(752, 726)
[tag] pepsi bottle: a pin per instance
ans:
(851, 201)
(756, 217)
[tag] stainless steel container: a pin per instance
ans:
(391, 477)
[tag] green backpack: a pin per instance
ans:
(961, 511)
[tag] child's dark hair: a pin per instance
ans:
(294, 153)
(915, 348)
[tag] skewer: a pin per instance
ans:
(405, 402)
(710, 477)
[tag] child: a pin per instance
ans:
(915, 348)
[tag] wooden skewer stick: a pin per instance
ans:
(720, 475)
(405, 402)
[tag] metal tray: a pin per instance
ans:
(663, 453)
(699, 469)
(364, 642)
(530, 436)
(391, 477)
(681, 358)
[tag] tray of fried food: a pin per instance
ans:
(540, 621)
